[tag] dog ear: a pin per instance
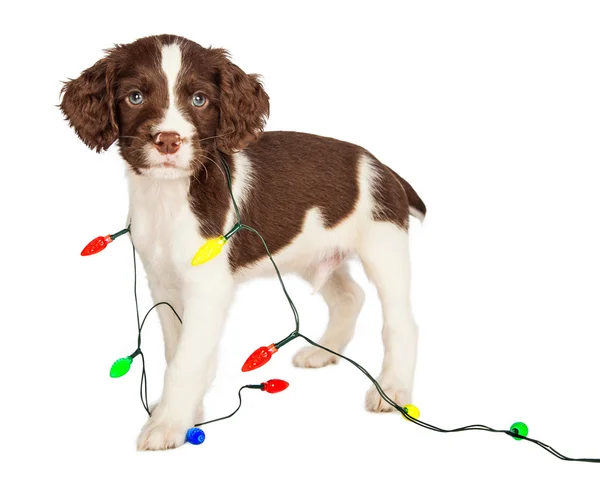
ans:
(244, 108)
(88, 104)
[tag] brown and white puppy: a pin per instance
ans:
(176, 109)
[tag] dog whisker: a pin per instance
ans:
(216, 136)
(217, 165)
(132, 137)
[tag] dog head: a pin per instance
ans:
(169, 103)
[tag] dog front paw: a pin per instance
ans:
(396, 392)
(161, 432)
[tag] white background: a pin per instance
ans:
(490, 109)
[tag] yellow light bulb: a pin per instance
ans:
(412, 411)
(209, 250)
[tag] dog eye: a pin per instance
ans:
(198, 100)
(136, 98)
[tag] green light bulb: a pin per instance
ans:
(120, 367)
(519, 428)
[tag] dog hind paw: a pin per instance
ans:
(374, 401)
(313, 357)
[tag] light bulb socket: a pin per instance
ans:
(137, 352)
(283, 342)
(256, 386)
(232, 231)
(114, 236)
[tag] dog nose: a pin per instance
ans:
(167, 142)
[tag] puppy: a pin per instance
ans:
(176, 110)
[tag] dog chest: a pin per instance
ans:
(163, 228)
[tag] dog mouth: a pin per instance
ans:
(168, 161)
(168, 168)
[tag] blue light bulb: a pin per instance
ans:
(195, 436)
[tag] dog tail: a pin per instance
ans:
(416, 206)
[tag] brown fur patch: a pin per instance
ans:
(139, 67)
(209, 197)
(87, 104)
(294, 172)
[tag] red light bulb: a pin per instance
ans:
(96, 245)
(275, 386)
(259, 358)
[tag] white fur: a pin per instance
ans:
(165, 233)
(173, 121)
(344, 298)
(384, 254)
(241, 186)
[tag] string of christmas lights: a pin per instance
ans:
(212, 247)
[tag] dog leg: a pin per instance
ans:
(385, 256)
(189, 372)
(344, 298)
(168, 292)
